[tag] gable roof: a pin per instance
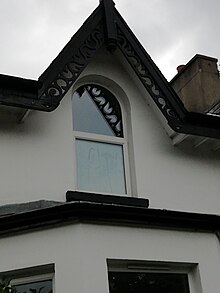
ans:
(105, 26)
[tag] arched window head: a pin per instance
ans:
(100, 145)
(96, 110)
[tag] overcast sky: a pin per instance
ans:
(33, 32)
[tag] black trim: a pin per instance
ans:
(20, 92)
(199, 124)
(19, 84)
(111, 33)
(109, 214)
(106, 199)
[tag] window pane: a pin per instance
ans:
(35, 287)
(122, 282)
(87, 117)
(100, 167)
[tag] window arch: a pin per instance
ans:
(100, 141)
(100, 111)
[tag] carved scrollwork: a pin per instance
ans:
(107, 105)
(66, 77)
(146, 77)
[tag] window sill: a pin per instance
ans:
(107, 199)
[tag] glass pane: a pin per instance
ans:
(122, 282)
(87, 117)
(100, 167)
(35, 287)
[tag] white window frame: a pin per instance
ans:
(190, 269)
(123, 141)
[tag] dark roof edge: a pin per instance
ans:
(109, 214)
(18, 83)
(199, 124)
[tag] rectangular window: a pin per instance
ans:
(37, 284)
(150, 282)
(29, 280)
(100, 167)
(149, 277)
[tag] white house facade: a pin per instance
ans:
(108, 182)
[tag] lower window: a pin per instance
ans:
(147, 277)
(146, 282)
(29, 280)
(33, 286)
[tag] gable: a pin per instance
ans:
(106, 27)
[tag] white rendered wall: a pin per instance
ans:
(80, 251)
(37, 157)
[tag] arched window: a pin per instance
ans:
(100, 143)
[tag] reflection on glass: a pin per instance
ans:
(123, 282)
(87, 117)
(35, 287)
(100, 167)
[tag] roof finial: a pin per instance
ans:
(111, 33)
(105, 0)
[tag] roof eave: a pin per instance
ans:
(108, 214)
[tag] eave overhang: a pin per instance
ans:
(18, 92)
(105, 27)
(102, 212)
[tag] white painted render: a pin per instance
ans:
(80, 251)
(37, 156)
